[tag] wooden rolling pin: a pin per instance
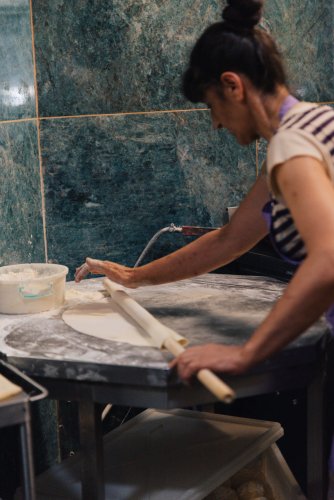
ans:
(164, 337)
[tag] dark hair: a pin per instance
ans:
(235, 44)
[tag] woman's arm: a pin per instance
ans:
(214, 249)
(309, 194)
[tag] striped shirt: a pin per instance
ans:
(306, 130)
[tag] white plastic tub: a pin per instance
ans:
(31, 288)
(179, 455)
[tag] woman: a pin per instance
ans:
(236, 69)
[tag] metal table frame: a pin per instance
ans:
(16, 411)
(279, 375)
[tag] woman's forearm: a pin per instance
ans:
(213, 250)
(308, 295)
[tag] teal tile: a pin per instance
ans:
(106, 57)
(304, 31)
(20, 195)
(125, 56)
(112, 182)
(17, 95)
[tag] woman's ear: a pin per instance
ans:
(233, 85)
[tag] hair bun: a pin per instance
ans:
(242, 14)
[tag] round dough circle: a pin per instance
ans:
(106, 320)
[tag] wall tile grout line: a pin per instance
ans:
(42, 187)
(97, 115)
(38, 134)
(128, 113)
(18, 120)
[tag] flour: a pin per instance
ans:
(84, 295)
(22, 275)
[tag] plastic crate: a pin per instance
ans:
(178, 455)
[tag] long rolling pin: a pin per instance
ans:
(164, 337)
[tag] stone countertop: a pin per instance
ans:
(212, 308)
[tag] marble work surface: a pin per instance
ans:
(213, 308)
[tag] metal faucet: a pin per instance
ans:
(185, 230)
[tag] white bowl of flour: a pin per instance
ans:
(31, 288)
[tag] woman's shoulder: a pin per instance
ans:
(307, 130)
(304, 115)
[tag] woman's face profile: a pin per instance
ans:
(231, 114)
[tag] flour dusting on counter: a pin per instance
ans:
(210, 309)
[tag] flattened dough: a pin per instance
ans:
(7, 388)
(105, 320)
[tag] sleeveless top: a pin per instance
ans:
(305, 130)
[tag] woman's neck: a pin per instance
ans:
(265, 110)
(272, 106)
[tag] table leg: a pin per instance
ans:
(316, 459)
(91, 444)
(27, 462)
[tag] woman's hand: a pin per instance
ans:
(215, 357)
(120, 274)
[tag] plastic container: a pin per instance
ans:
(31, 288)
(178, 455)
